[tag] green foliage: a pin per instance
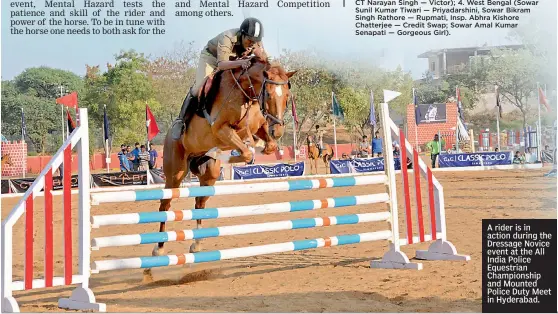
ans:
(514, 72)
(125, 89)
(35, 90)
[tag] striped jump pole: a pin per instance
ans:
(203, 233)
(212, 256)
(236, 211)
(287, 186)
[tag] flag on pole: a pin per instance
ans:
(460, 107)
(417, 108)
(105, 124)
(372, 110)
(23, 126)
(71, 124)
(337, 110)
(543, 100)
(69, 100)
(152, 128)
(498, 105)
(293, 110)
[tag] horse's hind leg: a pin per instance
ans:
(207, 170)
(174, 168)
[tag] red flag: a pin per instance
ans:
(543, 100)
(152, 128)
(69, 100)
(71, 124)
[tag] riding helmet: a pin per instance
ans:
(253, 28)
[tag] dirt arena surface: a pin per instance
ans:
(336, 279)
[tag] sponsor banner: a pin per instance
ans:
(359, 165)
(22, 185)
(432, 113)
(119, 178)
(158, 176)
(263, 171)
(475, 159)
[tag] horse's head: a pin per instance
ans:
(270, 83)
(275, 96)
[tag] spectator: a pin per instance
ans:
(518, 158)
(377, 145)
(496, 149)
(530, 158)
(131, 158)
(124, 164)
(435, 146)
(396, 150)
(136, 160)
(319, 139)
(364, 148)
(546, 155)
(153, 158)
(143, 158)
(235, 153)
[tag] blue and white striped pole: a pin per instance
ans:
(203, 233)
(212, 256)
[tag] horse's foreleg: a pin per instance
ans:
(228, 135)
(270, 142)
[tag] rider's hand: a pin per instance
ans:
(245, 64)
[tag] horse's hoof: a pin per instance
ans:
(158, 251)
(194, 248)
(147, 276)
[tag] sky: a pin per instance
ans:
(327, 30)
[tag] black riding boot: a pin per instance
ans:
(179, 124)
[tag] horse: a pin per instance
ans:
(230, 113)
(7, 160)
(314, 154)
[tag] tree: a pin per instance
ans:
(172, 75)
(514, 72)
(312, 86)
(35, 91)
(125, 89)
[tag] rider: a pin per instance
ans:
(319, 139)
(236, 42)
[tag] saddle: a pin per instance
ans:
(204, 99)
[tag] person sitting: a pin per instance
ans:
(235, 43)
(364, 147)
(518, 158)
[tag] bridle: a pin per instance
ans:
(262, 96)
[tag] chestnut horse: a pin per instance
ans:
(242, 105)
(314, 155)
